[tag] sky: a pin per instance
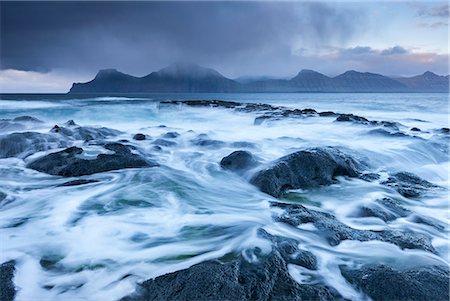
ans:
(46, 46)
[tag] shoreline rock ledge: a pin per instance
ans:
(305, 169)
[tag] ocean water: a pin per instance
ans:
(134, 224)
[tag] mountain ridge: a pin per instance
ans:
(186, 78)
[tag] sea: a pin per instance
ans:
(97, 241)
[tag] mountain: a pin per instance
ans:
(427, 81)
(185, 78)
(366, 82)
(178, 77)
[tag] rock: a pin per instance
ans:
(139, 137)
(385, 209)
(352, 118)
(7, 289)
(369, 177)
(328, 114)
(70, 123)
(444, 130)
(171, 135)
(27, 119)
(266, 279)
(305, 169)
(381, 282)
(27, 143)
(238, 161)
(204, 140)
(164, 142)
(288, 249)
(335, 231)
(414, 129)
(383, 132)
(85, 133)
(409, 185)
(68, 163)
(78, 182)
(202, 103)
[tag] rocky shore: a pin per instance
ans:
(75, 152)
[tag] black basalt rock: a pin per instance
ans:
(305, 169)
(27, 143)
(266, 279)
(68, 163)
(139, 137)
(7, 288)
(238, 161)
(409, 185)
(335, 231)
(384, 283)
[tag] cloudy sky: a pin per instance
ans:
(45, 46)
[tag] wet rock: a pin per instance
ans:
(381, 282)
(352, 118)
(238, 161)
(444, 130)
(205, 141)
(328, 114)
(429, 221)
(78, 182)
(171, 135)
(85, 133)
(305, 169)
(409, 185)
(7, 289)
(260, 119)
(383, 132)
(414, 129)
(335, 231)
(27, 119)
(385, 209)
(266, 279)
(369, 177)
(164, 142)
(68, 163)
(289, 250)
(139, 137)
(202, 103)
(70, 123)
(24, 144)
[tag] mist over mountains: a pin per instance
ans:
(185, 78)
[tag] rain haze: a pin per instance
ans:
(46, 46)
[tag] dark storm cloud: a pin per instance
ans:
(139, 37)
(439, 11)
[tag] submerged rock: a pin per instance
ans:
(78, 182)
(139, 137)
(385, 209)
(381, 282)
(84, 133)
(68, 163)
(238, 161)
(171, 135)
(305, 169)
(205, 141)
(352, 118)
(335, 231)
(266, 279)
(27, 143)
(409, 185)
(289, 250)
(164, 142)
(7, 289)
